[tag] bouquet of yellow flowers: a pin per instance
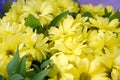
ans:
(59, 40)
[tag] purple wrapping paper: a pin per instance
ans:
(114, 3)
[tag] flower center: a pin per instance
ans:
(38, 12)
(85, 76)
(9, 52)
(109, 70)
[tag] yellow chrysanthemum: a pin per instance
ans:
(74, 68)
(69, 27)
(111, 39)
(103, 23)
(95, 39)
(66, 70)
(6, 46)
(70, 35)
(67, 5)
(100, 39)
(34, 45)
(43, 10)
(7, 50)
(91, 70)
(70, 46)
(15, 12)
(94, 10)
(4, 60)
(8, 28)
(112, 65)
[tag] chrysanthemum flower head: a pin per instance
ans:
(4, 60)
(14, 12)
(68, 27)
(70, 35)
(68, 5)
(78, 68)
(103, 23)
(35, 45)
(112, 65)
(94, 10)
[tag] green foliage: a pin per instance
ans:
(73, 14)
(106, 13)
(40, 70)
(7, 6)
(16, 77)
(13, 64)
(1, 15)
(55, 21)
(34, 23)
(16, 68)
(41, 75)
(2, 77)
(45, 63)
(30, 74)
(22, 66)
(116, 15)
(87, 14)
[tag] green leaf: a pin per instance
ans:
(2, 77)
(73, 14)
(41, 75)
(106, 13)
(75, 0)
(22, 66)
(34, 23)
(30, 74)
(36, 67)
(1, 15)
(16, 77)
(7, 6)
(87, 14)
(45, 63)
(13, 64)
(57, 19)
(115, 16)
